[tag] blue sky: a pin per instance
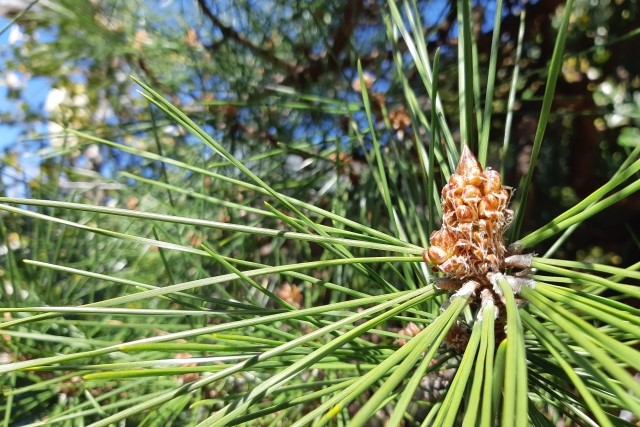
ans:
(34, 92)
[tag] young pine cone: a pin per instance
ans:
(475, 217)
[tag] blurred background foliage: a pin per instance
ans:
(278, 79)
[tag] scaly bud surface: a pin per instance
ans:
(470, 242)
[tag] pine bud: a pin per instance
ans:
(475, 216)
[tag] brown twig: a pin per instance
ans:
(231, 34)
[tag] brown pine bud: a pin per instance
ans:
(475, 216)
(468, 166)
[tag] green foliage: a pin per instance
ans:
(274, 283)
